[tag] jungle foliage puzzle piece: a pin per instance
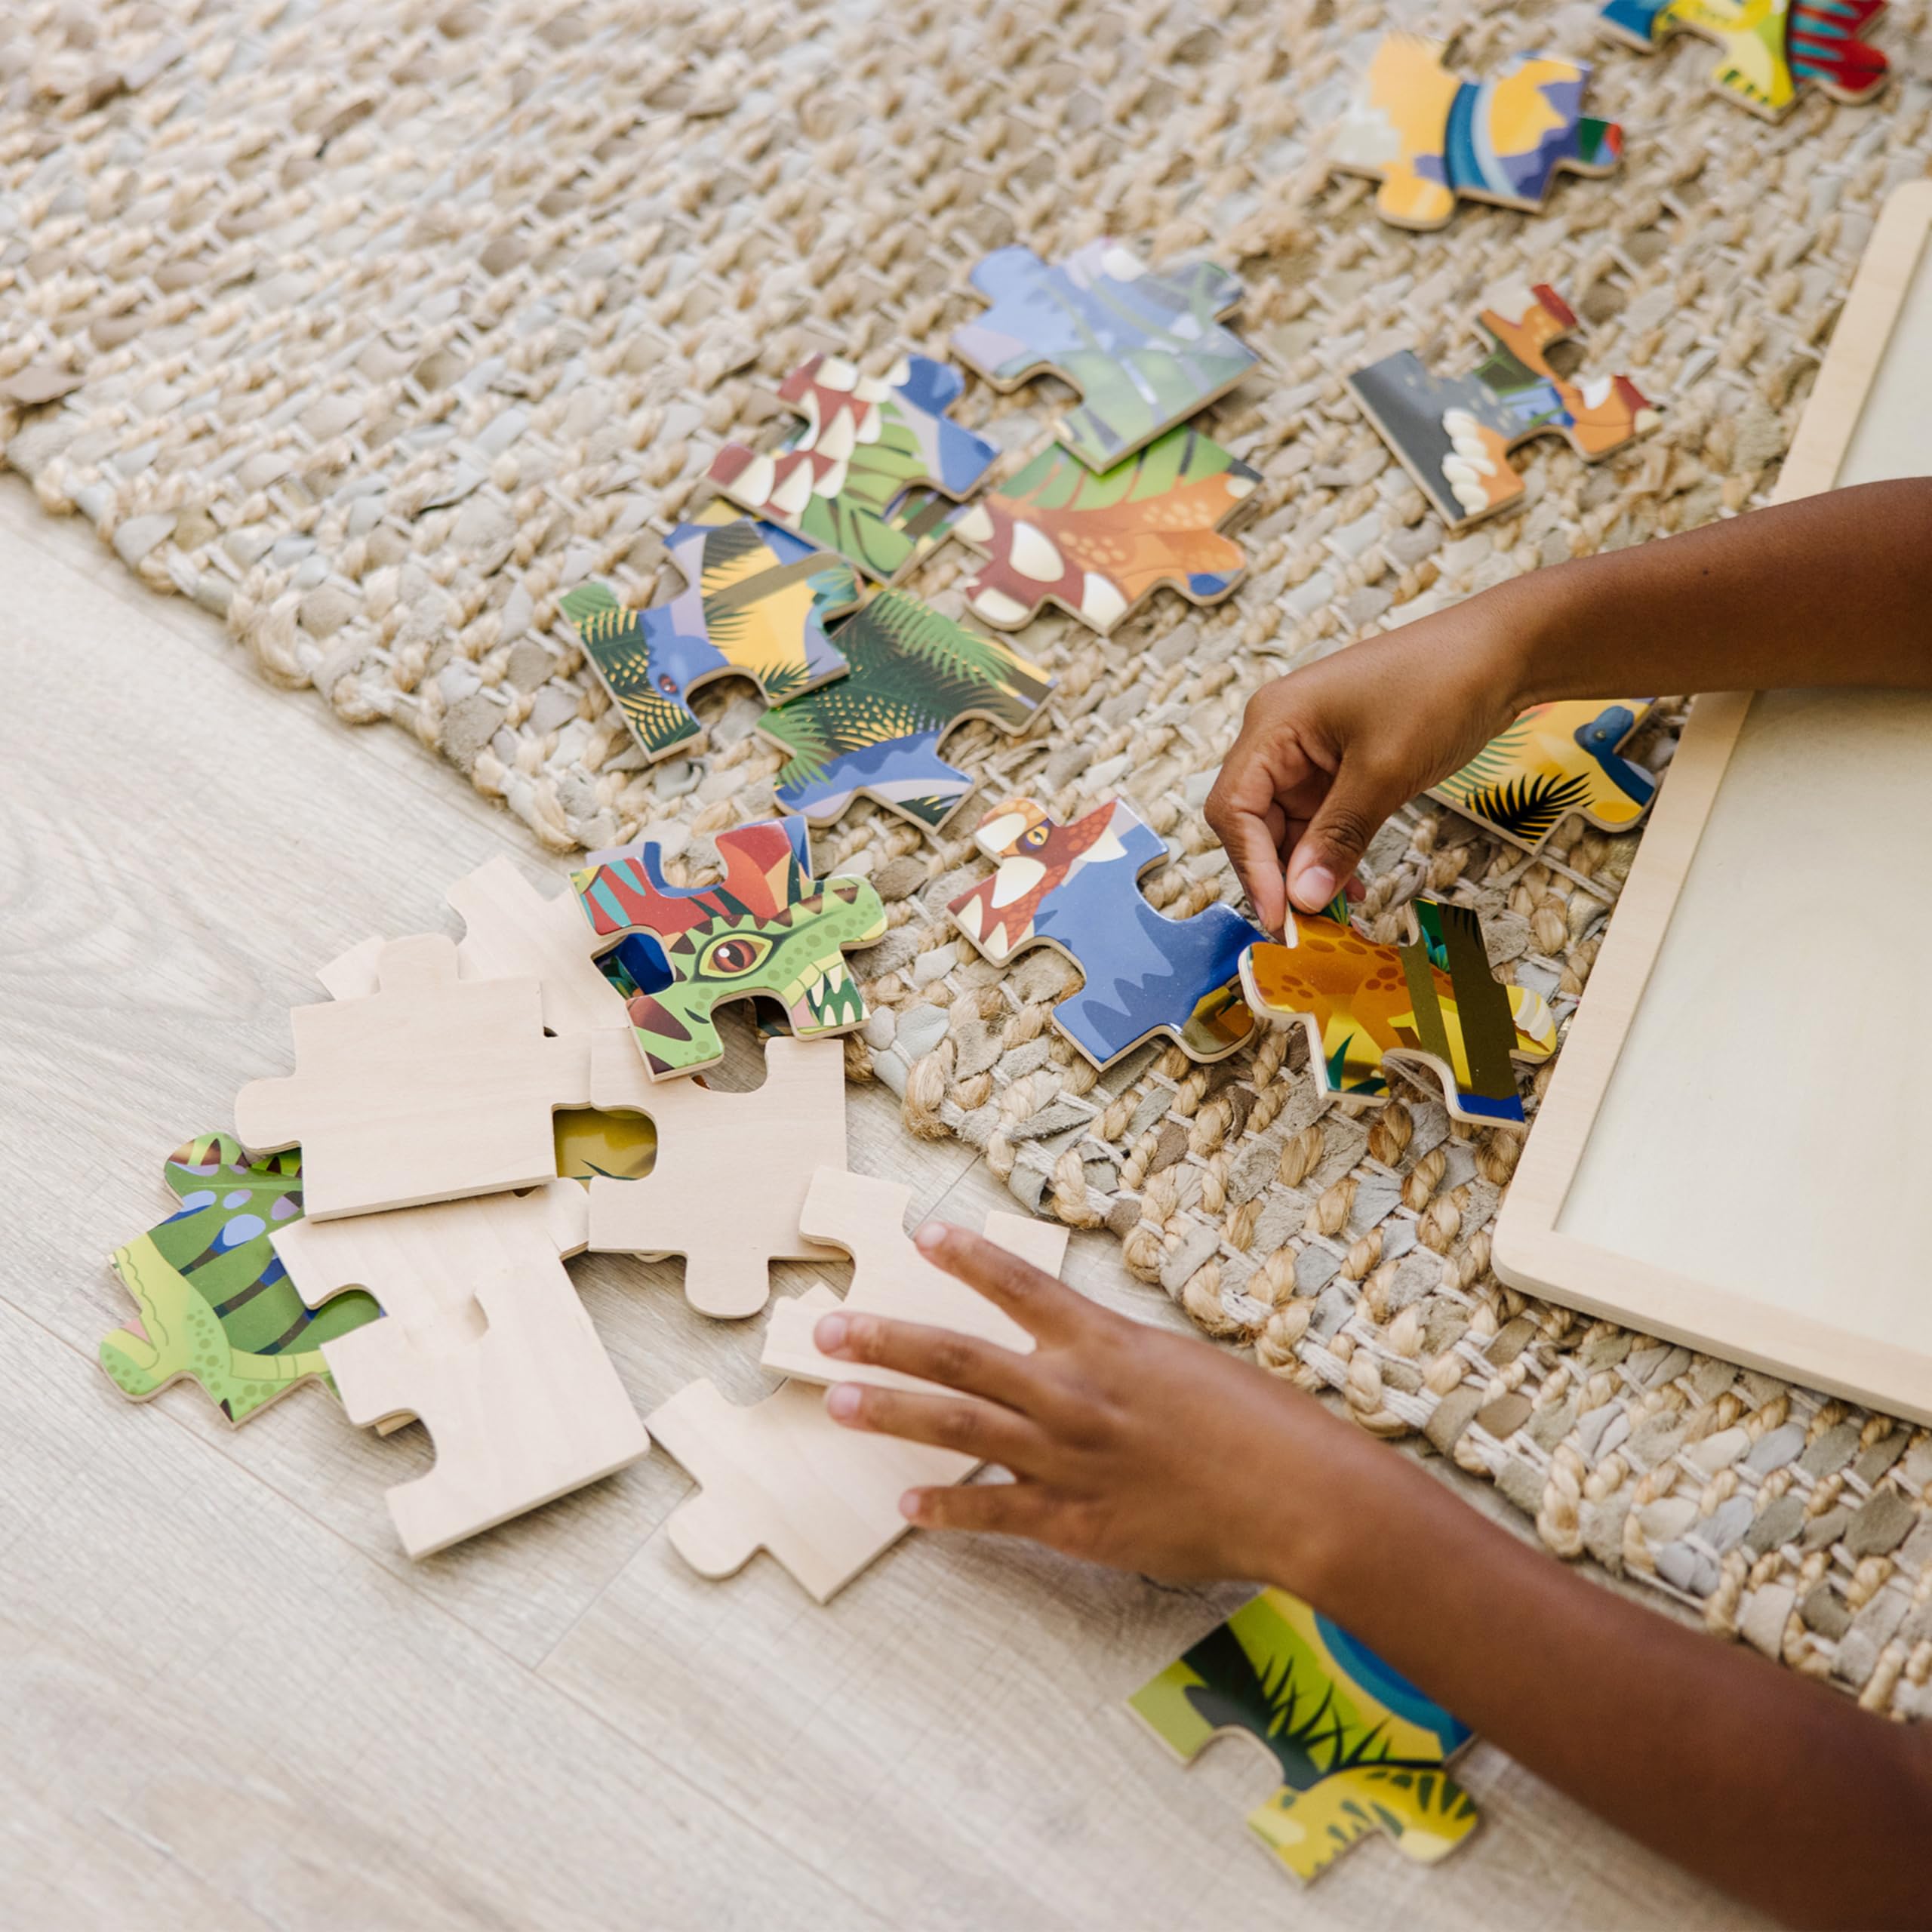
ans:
(1433, 1002)
(1556, 759)
(1095, 545)
(1075, 888)
(430, 1089)
(1772, 49)
(868, 449)
(915, 675)
(890, 1276)
(754, 603)
(216, 1305)
(1454, 433)
(484, 1340)
(1145, 351)
(732, 1169)
(1429, 137)
(765, 927)
(1360, 1749)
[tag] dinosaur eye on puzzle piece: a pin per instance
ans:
(736, 954)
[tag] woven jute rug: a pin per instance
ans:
(375, 325)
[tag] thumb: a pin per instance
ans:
(1328, 853)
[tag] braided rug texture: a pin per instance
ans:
(374, 325)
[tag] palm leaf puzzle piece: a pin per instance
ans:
(215, 1305)
(890, 1277)
(1076, 888)
(1556, 759)
(1454, 434)
(765, 927)
(915, 676)
(1360, 1749)
(431, 1089)
(1096, 545)
(868, 450)
(483, 1339)
(755, 605)
(1429, 137)
(1433, 1002)
(1771, 50)
(1146, 350)
(732, 1169)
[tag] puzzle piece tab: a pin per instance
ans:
(1772, 49)
(1554, 760)
(915, 675)
(765, 927)
(1075, 888)
(867, 446)
(755, 603)
(216, 1305)
(484, 1340)
(1097, 545)
(1433, 1002)
(1429, 137)
(1454, 433)
(1145, 351)
(890, 1276)
(1360, 1749)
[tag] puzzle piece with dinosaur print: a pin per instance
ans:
(858, 478)
(1360, 1749)
(765, 927)
(1075, 888)
(1433, 1002)
(916, 676)
(1771, 50)
(1095, 545)
(1429, 137)
(1146, 350)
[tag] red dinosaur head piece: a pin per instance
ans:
(1033, 857)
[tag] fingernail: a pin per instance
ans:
(929, 1236)
(830, 1333)
(908, 1505)
(1318, 886)
(842, 1402)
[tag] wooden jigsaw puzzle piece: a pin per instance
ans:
(1770, 51)
(1145, 351)
(1076, 888)
(1433, 1002)
(765, 927)
(732, 1169)
(916, 676)
(781, 1475)
(484, 1340)
(1359, 1748)
(214, 1304)
(1454, 434)
(430, 1089)
(755, 603)
(890, 1276)
(1097, 545)
(866, 445)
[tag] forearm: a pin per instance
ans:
(1831, 589)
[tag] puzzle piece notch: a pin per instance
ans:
(866, 1218)
(765, 927)
(915, 676)
(1429, 137)
(732, 1170)
(1431, 1002)
(1146, 350)
(1454, 434)
(484, 1340)
(1556, 759)
(866, 446)
(1076, 888)
(755, 604)
(1098, 545)
(430, 1089)
(1771, 50)
(1359, 1748)
(214, 1304)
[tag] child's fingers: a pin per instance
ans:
(934, 1354)
(1000, 1509)
(982, 1430)
(1046, 1309)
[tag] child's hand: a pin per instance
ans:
(1131, 1447)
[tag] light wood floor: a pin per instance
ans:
(227, 1700)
